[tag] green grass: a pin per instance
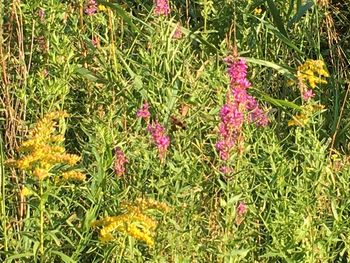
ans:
(294, 180)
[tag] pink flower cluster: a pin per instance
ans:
(239, 107)
(156, 130)
(91, 7)
(161, 7)
(119, 162)
(241, 208)
(160, 139)
(143, 112)
(308, 94)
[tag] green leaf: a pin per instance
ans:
(278, 102)
(281, 69)
(301, 11)
(273, 30)
(119, 10)
(276, 17)
(17, 256)
(63, 256)
(86, 74)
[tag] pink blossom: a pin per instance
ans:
(237, 70)
(162, 7)
(95, 41)
(241, 208)
(41, 15)
(231, 117)
(308, 94)
(226, 169)
(143, 112)
(159, 138)
(178, 32)
(91, 7)
(224, 147)
(119, 162)
(239, 104)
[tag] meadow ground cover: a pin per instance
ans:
(174, 131)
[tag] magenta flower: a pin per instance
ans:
(224, 147)
(241, 208)
(231, 117)
(91, 7)
(143, 112)
(237, 70)
(226, 169)
(308, 94)
(240, 107)
(119, 162)
(41, 15)
(159, 138)
(161, 7)
(178, 32)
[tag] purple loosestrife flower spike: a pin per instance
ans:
(241, 208)
(178, 32)
(159, 138)
(119, 162)
(143, 112)
(41, 15)
(239, 104)
(91, 7)
(161, 7)
(308, 94)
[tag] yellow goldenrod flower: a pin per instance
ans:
(313, 72)
(43, 149)
(299, 120)
(303, 118)
(102, 8)
(41, 174)
(152, 204)
(133, 222)
(26, 191)
(74, 175)
(257, 11)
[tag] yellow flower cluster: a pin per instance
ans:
(312, 71)
(133, 222)
(257, 11)
(42, 150)
(303, 118)
(74, 175)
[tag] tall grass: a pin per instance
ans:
(285, 197)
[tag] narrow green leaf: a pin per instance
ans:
(290, 8)
(281, 69)
(277, 17)
(120, 11)
(63, 256)
(273, 30)
(17, 256)
(86, 74)
(300, 13)
(278, 102)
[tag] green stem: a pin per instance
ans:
(42, 207)
(3, 199)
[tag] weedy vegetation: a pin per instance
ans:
(174, 131)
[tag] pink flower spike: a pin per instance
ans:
(308, 94)
(241, 208)
(161, 7)
(159, 138)
(226, 170)
(143, 112)
(119, 162)
(91, 7)
(41, 14)
(178, 32)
